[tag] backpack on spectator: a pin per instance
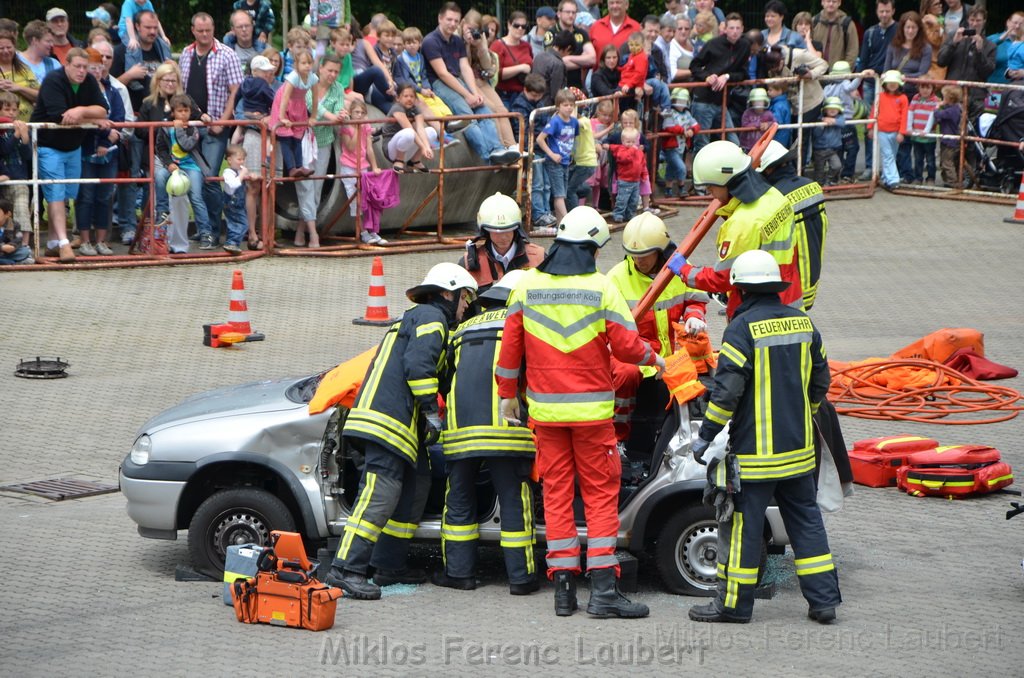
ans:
(844, 26)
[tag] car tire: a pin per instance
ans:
(687, 552)
(238, 516)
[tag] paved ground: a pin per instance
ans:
(931, 587)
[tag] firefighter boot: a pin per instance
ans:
(826, 616)
(605, 599)
(565, 593)
(711, 613)
(354, 585)
(410, 575)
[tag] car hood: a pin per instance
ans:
(251, 398)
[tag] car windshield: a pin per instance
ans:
(302, 391)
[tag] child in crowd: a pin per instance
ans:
(633, 74)
(178, 147)
(781, 111)
(948, 119)
(13, 249)
(14, 153)
(682, 125)
(256, 95)
(631, 120)
(535, 88)
(704, 29)
(235, 175)
(562, 129)
(631, 170)
(847, 91)
(892, 126)
(126, 31)
(921, 112)
(385, 48)
(757, 115)
(603, 125)
(262, 14)
(296, 40)
(828, 142)
(356, 155)
(412, 67)
(325, 15)
(584, 165)
(289, 115)
(408, 139)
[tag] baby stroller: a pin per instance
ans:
(998, 168)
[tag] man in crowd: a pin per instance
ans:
(68, 96)
(723, 60)
(39, 44)
(615, 28)
(582, 55)
(57, 20)
(872, 57)
(241, 37)
(836, 32)
(970, 57)
(452, 79)
(154, 52)
(544, 21)
(211, 74)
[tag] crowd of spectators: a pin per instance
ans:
(331, 67)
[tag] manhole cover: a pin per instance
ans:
(62, 488)
(42, 368)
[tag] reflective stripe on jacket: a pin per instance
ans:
(474, 426)
(564, 327)
(402, 378)
(772, 373)
(810, 226)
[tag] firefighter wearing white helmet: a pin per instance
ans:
(565, 322)
(474, 433)
(394, 419)
(810, 225)
(772, 374)
(501, 244)
(757, 217)
(648, 247)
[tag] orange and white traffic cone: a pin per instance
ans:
(1018, 213)
(238, 311)
(376, 299)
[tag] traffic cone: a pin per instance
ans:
(1018, 212)
(238, 312)
(376, 298)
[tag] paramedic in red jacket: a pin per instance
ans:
(566, 321)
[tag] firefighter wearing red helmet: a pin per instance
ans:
(566, 321)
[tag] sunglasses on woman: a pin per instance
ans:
(521, 27)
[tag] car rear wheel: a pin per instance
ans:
(687, 552)
(238, 516)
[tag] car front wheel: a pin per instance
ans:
(237, 516)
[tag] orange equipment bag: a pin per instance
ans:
(953, 482)
(941, 344)
(874, 461)
(699, 348)
(681, 377)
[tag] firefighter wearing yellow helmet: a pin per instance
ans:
(501, 244)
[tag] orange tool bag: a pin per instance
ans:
(954, 471)
(874, 461)
(284, 593)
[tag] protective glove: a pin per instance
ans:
(659, 364)
(434, 427)
(676, 263)
(698, 447)
(695, 326)
(509, 408)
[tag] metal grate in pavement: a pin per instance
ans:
(60, 489)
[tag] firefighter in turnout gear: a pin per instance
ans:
(566, 320)
(757, 216)
(648, 247)
(475, 433)
(394, 420)
(772, 374)
(502, 245)
(810, 223)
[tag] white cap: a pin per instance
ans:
(261, 63)
(55, 12)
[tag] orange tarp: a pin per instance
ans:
(340, 385)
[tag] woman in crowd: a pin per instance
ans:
(515, 58)
(909, 53)
(330, 97)
(605, 79)
(1006, 42)
(485, 68)
(776, 32)
(934, 34)
(16, 76)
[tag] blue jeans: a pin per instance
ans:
(851, 147)
(578, 176)
(127, 194)
(675, 167)
(196, 196)
(214, 147)
(291, 153)
(904, 161)
(709, 116)
(373, 76)
(481, 135)
(540, 190)
(924, 160)
(660, 97)
(869, 99)
(626, 199)
(236, 216)
(16, 257)
(558, 177)
(887, 146)
(95, 204)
